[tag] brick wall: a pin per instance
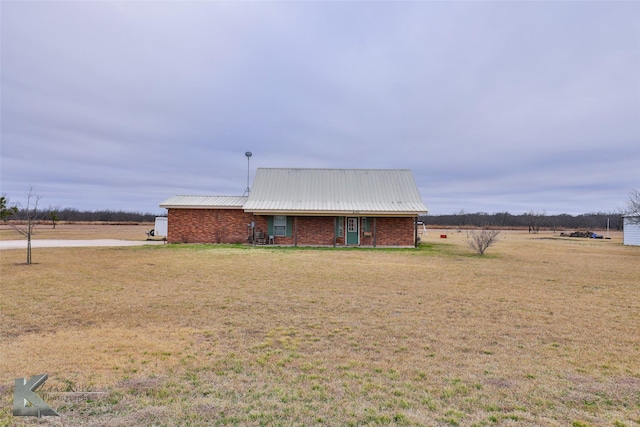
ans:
(230, 226)
(208, 225)
(314, 230)
(394, 231)
(318, 230)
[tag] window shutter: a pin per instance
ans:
(270, 225)
(289, 225)
(340, 226)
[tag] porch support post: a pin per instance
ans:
(375, 238)
(415, 232)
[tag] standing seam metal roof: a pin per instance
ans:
(335, 190)
(195, 202)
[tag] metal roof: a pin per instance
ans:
(204, 202)
(335, 191)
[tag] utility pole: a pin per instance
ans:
(247, 190)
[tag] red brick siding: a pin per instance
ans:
(394, 231)
(314, 230)
(230, 226)
(261, 224)
(208, 225)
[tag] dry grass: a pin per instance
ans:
(540, 331)
(81, 231)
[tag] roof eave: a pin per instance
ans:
(199, 207)
(336, 213)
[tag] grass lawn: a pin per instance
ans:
(542, 330)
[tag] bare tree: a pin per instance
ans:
(633, 207)
(535, 220)
(25, 218)
(481, 240)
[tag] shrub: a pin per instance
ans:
(481, 240)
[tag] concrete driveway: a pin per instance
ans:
(44, 243)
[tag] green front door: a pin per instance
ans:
(352, 231)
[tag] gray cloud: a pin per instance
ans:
(494, 106)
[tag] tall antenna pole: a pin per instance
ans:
(248, 154)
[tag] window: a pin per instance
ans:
(365, 224)
(279, 225)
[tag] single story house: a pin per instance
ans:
(631, 233)
(307, 207)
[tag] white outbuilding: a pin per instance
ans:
(161, 226)
(631, 230)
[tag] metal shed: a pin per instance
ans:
(631, 230)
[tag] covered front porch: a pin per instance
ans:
(354, 230)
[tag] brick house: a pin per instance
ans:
(306, 207)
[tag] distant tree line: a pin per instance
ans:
(16, 212)
(106, 215)
(533, 221)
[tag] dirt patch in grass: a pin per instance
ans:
(537, 332)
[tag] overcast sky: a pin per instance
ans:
(494, 106)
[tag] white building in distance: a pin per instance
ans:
(631, 231)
